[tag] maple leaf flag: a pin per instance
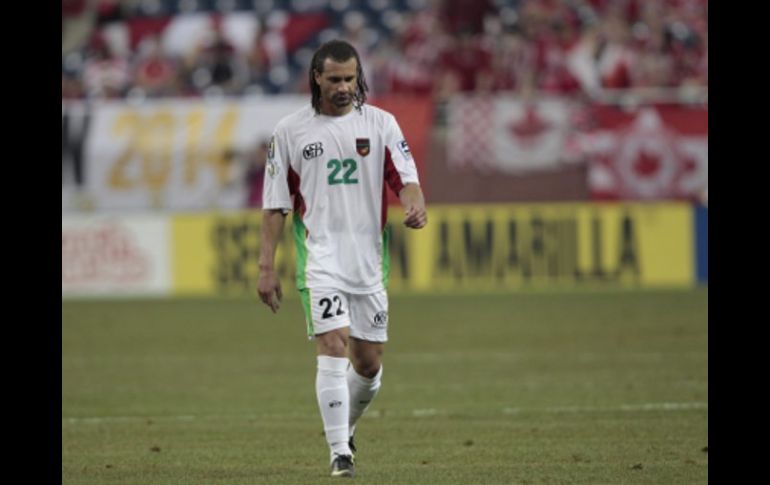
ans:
(649, 154)
(506, 134)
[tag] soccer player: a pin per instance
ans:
(330, 162)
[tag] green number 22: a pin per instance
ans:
(336, 166)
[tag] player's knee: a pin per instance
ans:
(333, 344)
(368, 368)
(366, 358)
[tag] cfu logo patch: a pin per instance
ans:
(313, 150)
(403, 147)
(272, 168)
(271, 148)
(380, 320)
(362, 146)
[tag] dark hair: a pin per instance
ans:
(339, 51)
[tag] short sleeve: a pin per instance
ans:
(400, 168)
(275, 190)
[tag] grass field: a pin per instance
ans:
(529, 388)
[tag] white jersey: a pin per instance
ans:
(336, 168)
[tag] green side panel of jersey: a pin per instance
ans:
(299, 242)
(385, 255)
(304, 296)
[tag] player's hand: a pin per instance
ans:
(416, 217)
(269, 289)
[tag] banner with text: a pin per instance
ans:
(465, 248)
(509, 246)
(187, 155)
(476, 248)
(115, 256)
(219, 254)
(178, 155)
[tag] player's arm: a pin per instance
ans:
(414, 206)
(269, 286)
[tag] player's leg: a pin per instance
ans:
(364, 377)
(332, 389)
(327, 324)
(368, 334)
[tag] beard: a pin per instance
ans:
(341, 100)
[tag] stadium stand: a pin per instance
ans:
(189, 48)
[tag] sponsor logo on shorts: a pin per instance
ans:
(380, 320)
(335, 404)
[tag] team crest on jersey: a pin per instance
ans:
(404, 149)
(362, 146)
(313, 150)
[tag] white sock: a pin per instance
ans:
(362, 392)
(334, 402)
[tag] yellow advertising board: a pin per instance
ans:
(494, 247)
(219, 254)
(490, 247)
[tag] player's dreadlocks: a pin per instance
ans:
(339, 51)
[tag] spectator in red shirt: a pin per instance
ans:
(465, 59)
(154, 72)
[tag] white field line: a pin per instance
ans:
(418, 413)
(653, 406)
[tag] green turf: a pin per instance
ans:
(528, 388)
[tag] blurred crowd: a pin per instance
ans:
(139, 49)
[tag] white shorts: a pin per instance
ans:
(329, 309)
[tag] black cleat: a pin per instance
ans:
(342, 466)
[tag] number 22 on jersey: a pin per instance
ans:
(348, 165)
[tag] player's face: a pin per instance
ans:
(338, 86)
